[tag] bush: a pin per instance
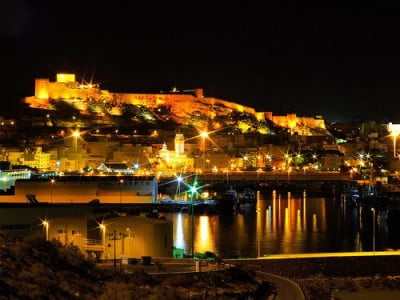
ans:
(117, 291)
(179, 280)
(237, 274)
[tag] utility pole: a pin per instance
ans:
(192, 222)
(373, 229)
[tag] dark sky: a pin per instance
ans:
(341, 62)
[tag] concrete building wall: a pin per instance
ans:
(129, 191)
(24, 221)
(136, 236)
(145, 237)
(330, 162)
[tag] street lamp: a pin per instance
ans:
(193, 190)
(179, 179)
(373, 229)
(394, 132)
(121, 181)
(45, 223)
(76, 134)
(394, 135)
(51, 190)
(203, 135)
(245, 160)
(114, 237)
(103, 235)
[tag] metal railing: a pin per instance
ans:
(93, 242)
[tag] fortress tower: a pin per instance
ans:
(42, 88)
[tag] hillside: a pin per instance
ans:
(37, 269)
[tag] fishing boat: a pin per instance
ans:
(248, 196)
(351, 197)
(228, 201)
(247, 200)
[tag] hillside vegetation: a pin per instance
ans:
(38, 269)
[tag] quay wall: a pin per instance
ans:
(346, 266)
(274, 176)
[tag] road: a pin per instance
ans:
(286, 289)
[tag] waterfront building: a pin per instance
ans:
(332, 160)
(91, 232)
(83, 189)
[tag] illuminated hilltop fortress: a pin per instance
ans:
(182, 105)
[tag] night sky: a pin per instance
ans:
(341, 62)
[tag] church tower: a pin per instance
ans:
(179, 144)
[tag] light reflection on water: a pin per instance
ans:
(282, 223)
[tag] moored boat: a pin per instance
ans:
(227, 202)
(351, 197)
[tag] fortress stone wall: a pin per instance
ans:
(182, 104)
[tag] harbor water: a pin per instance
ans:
(284, 223)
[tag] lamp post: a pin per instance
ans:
(373, 229)
(103, 235)
(394, 135)
(121, 181)
(51, 190)
(76, 134)
(45, 223)
(394, 130)
(193, 190)
(203, 135)
(179, 180)
(114, 237)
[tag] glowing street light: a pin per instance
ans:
(45, 224)
(394, 136)
(245, 162)
(52, 181)
(121, 181)
(193, 190)
(179, 179)
(76, 134)
(103, 235)
(203, 135)
(394, 132)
